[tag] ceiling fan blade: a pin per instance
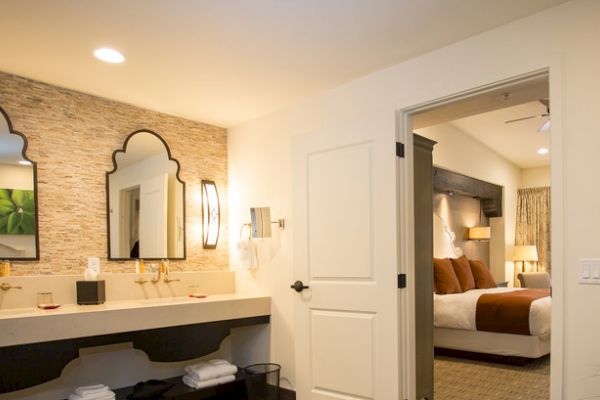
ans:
(545, 127)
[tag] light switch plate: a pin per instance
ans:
(589, 271)
(94, 264)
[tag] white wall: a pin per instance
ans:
(564, 38)
(535, 177)
(459, 152)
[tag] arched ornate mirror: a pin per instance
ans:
(145, 201)
(19, 239)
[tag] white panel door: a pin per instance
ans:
(345, 240)
(153, 217)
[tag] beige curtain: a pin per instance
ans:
(533, 223)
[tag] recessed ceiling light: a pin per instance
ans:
(109, 55)
(543, 150)
(24, 162)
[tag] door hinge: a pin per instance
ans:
(401, 281)
(399, 149)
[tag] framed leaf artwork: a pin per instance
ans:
(17, 212)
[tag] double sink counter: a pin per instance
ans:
(31, 325)
(158, 318)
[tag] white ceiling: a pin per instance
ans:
(519, 141)
(229, 61)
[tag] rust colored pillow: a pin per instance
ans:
(445, 278)
(483, 276)
(462, 268)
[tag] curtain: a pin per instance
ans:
(533, 223)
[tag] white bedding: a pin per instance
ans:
(457, 311)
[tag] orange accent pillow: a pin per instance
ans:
(462, 268)
(483, 276)
(445, 278)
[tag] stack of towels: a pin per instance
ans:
(211, 373)
(94, 392)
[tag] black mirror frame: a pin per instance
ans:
(108, 173)
(11, 131)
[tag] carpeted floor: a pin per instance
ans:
(458, 379)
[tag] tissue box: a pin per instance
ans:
(90, 292)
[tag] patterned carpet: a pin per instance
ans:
(458, 379)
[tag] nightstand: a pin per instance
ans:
(502, 284)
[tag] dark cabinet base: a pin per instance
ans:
(235, 390)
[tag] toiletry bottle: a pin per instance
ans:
(137, 266)
(142, 266)
(5, 270)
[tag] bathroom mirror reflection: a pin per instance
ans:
(18, 196)
(146, 206)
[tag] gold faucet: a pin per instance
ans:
(167, 269)
(7, 286)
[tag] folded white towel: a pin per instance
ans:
(103, 396)
(226, 379)
(218, 361)
(205, 371)
(197, 384)
(93, 392)
(92, 389)
(202, 371)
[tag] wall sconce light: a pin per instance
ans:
(211, 215)
(480, 233)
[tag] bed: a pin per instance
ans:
(455, 326)
(459, 327)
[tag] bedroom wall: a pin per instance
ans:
(535, 177)
(563, 37)
(459, 152)
(461, 213)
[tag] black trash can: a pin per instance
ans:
(262, 381)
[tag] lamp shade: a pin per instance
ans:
(525, 253)
(480, 233)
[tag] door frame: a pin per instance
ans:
(406, 331)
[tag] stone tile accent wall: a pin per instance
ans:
(72, 136)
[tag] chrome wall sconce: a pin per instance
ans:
(211, 215)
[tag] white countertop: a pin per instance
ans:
(32, 325)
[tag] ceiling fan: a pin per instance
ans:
(545, 126)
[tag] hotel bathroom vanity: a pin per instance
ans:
(145, 202)
(35, 345)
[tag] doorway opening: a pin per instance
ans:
(485, 219)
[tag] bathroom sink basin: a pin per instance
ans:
(31, 325)
(165, 300)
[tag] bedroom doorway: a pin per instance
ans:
(489, 181)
